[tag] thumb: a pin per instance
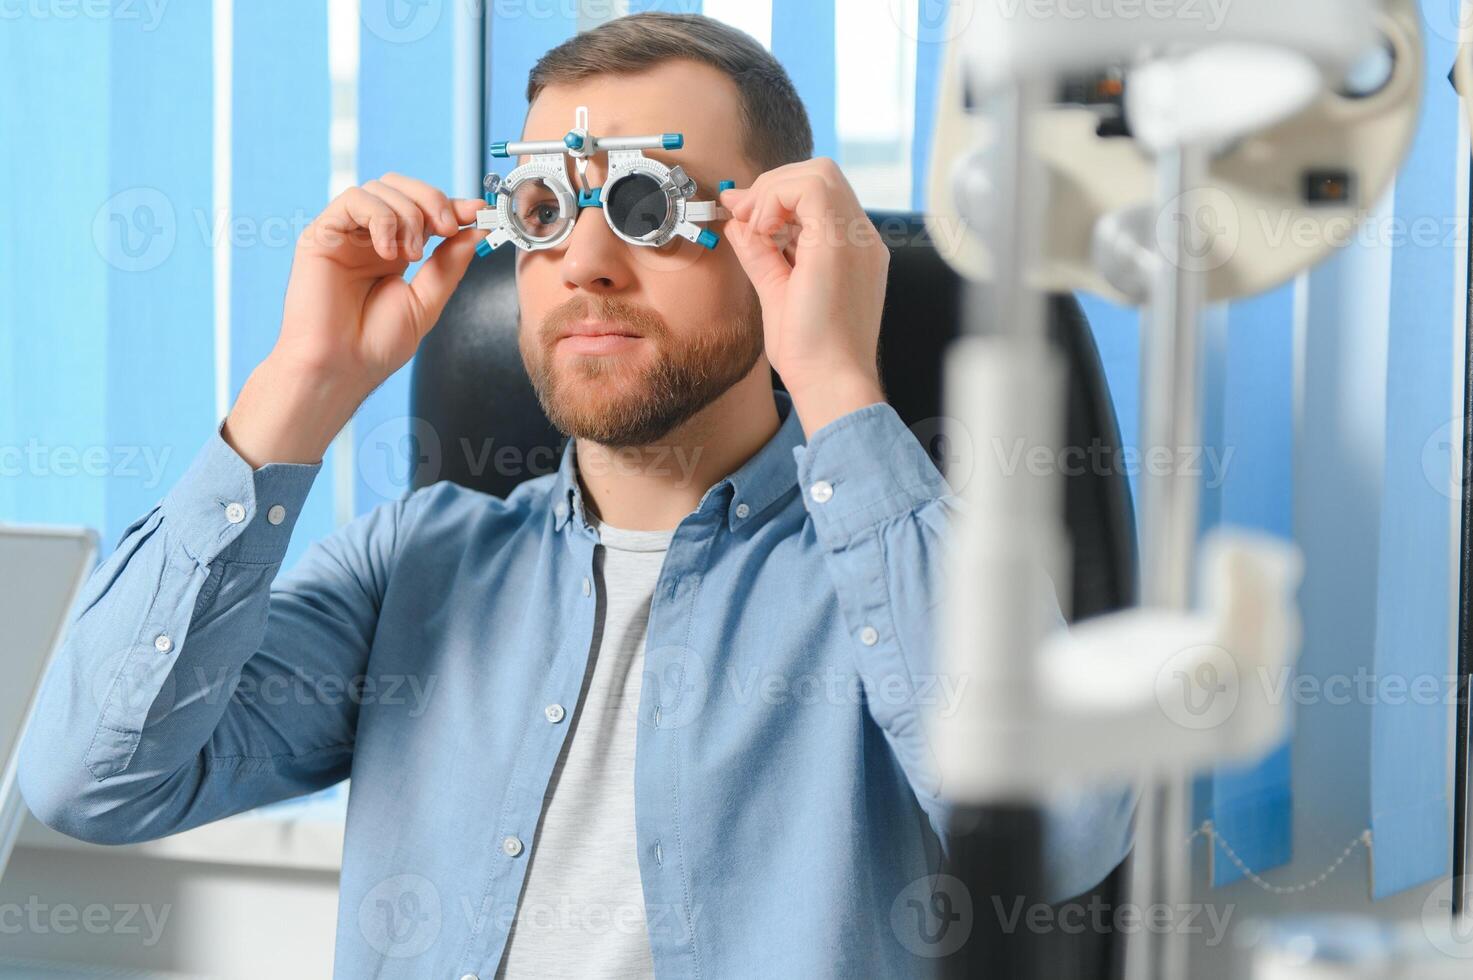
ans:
(442, 272)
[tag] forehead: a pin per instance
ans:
(686, 97)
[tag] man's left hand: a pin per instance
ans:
(819, 268)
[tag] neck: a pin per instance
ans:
(652, 488)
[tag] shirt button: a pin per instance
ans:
(587, 586)
(560, 510)
(470, 976)
(742, 510)
(869, 636)
(234, 512)
(512, 846)
(554, 713)
(276, 514)
(821, 491)
(162, 643)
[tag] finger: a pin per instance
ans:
(465, 209)
(751, 205)
(760, 257)
(432, 202)
(744, 207)
(438, 277)
(411, 219)
(822, 168)
(356, 208)
(808, 198)
(733, 199)
(748, 197)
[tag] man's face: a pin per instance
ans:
(686, 320)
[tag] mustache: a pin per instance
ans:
(638, 319)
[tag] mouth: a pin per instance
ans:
(596, 328)
(597, 337)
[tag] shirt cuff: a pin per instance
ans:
(863, 469)
(222, 507)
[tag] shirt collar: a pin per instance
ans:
(757, 483)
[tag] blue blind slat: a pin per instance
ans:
(1252, 811)
(1247, 468)
(1339, 432)
(405, 120)
(930, 32)
(280, 112)
(1255, 464)
(53, 279)
(158, 337)
(1410, 736)
(514, 46)
(803, 40)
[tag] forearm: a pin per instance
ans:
(149, 663)
(289, 414)
(826, 399)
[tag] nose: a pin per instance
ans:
(594, 258)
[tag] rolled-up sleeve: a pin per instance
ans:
(881, 510)
(190, 682)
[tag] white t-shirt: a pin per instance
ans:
(582, 913)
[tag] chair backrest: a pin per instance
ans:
(470, 393)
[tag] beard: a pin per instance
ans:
(635, 400)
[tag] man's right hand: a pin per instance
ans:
(350, 318)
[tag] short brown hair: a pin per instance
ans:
(775, 124)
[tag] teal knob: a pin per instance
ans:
(484, 247)
(491, 198)
(725, 185)
(573, 141)
(709, 239)
(499, 150)
(673, 141)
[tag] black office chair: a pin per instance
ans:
(470, 389)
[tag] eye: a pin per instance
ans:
(536, 211)
(540, 213)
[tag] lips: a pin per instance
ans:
(596, 328)
(597, 337)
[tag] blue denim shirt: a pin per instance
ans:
(786, 799)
